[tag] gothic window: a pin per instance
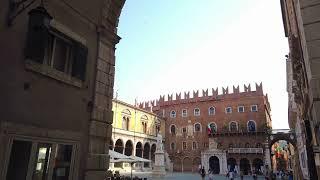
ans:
(184, 113)
(173, 114)
(194, 145)
(233, 127)
(173, 129)
(197, 127)
(184, 145)
(144, 127)
(125, 123)
(228, 110)
(196, 112)
(212, 111)
(251, 126)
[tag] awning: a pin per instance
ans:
(139, 159)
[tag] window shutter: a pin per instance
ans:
(80, 61)
(37, 40)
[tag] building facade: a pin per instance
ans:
(57, 73)
(220, 131)
(134, 133)
(302, 27)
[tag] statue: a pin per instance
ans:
(159, 165)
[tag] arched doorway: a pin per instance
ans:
(139, 149)
(244, 166)
(187, 164)
(231, 163)
(146, 153)
(119, 146)
(128, 148)
(177, 165)
(214, 164)
(195, 164)
(257, 165)
(153, 150)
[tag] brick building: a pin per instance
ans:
(221, 131)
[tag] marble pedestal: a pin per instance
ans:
(159, 167)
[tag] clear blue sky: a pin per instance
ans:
(171, 46)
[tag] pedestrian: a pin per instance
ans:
(203, 173)
(241, 175)
(254, 175)
(231, 175)
(199, 168)
(210, 172)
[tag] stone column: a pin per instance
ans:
(100, 128)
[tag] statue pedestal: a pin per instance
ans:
(159, 167)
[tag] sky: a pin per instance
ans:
(172, 46)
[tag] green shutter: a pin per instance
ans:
(80, 61)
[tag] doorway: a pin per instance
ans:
(214, 164)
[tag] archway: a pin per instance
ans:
(214, 164)
(195, 164)
(177, 165)
(244, 166)
(153, 150)
(139, 149)
(146, 153)
(119, 146)
(187, 164)
(257, 165)
(128, 148)
(111, 144)
(231, 163)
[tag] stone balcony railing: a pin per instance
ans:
(245, 150)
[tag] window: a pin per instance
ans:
(173, 129)
(240, 108)
(247, 145)
(184, 130)
(194, 145)
(144, 127)
(251, 126)
(184, 145)
(205, 144)
(184, 113)
(197, 127)
(219, 146)
(173, 114)
(173, 146)
(230, 145)
(254, 108)
(62, 161)
(212, 111)
(125, 123)
(196, 112)
(259, 145)
(212, 128)
(57, 51)
(233, 127)
(228, 110)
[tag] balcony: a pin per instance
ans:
(245, 151)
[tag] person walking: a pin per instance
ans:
(210, 173)
(231, 175)
(203, 173)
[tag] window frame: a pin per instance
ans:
(186, 113)
(194, 112)
(255, 126)
(226, 110)
(184, 143)
(239, 109)
(194, 127)
(237, 126)
(175, 129)
(251, 108)
(173, 114)
(209, 111)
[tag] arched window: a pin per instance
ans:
(212, 128)
(173, 129)
(233, 126)
(173, 114)
(197, 127)
(212, 111)
(251, 126)
(125, 123)
(172, 146)
(144, 127)
(196, 112)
